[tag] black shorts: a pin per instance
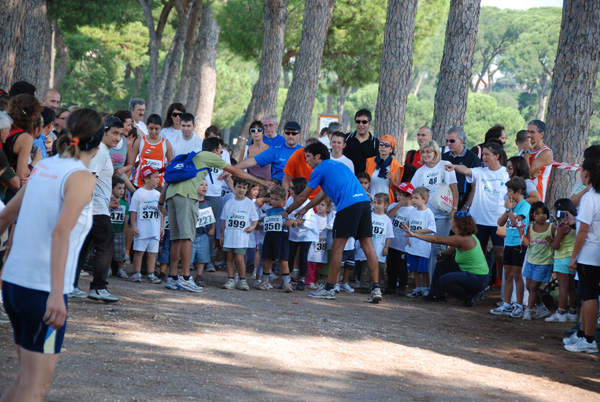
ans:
(26, 309)
(353, 221)
(514, 255)
(276, 246)
(589, 277)
(485, 232)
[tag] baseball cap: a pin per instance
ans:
(112, 121)
(292, 125)
(406, 188)
(147, 170)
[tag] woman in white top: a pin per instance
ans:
(35, 285)
(431, 175)
(172, 126)
(488, 199)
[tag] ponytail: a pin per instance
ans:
(67, 146)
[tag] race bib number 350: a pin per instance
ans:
(273, 223)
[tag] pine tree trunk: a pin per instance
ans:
(396, 64)
(63, 56)
(573, 87)
(37, 48)
(455, 70)
(12, 40)
(208, 45)
(303, 89)
(341, 105)
(264, 93)
(186, 92)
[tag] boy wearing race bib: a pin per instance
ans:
(239, 219)
(399, 212)
(146, 224)
(422, 221)
(205, 227)
(317, 255)
(119, 209)
(276, 242)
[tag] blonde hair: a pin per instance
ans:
(435, 148)
(382, 197)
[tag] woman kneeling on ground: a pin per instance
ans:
(466, 278)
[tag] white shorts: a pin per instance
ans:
(150, 245)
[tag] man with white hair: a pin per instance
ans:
(137, 107)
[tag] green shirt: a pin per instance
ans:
(473, 260)
(118, 215)
(189, 188)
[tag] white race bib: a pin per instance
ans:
(156, 164)
(237, 220)
(166, 225)
(150, 214)
(117, 215)
(273, 223)
(320, 246)
(205, 217)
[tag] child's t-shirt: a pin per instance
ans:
(382, 230)
(206, 217)
(402, 216)
(145, 204)
(224, 199)
(307, 232)
(420, 220)
(237, 216)
(318, 249)
(513, 236)
(117, 215)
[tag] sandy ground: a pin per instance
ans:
(163, 345)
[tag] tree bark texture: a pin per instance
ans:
(63, 56)
(396, 65)
(207, 47)
(573, 87)
(186, 91)
(264, 93)
(301, 95)
(12, 33)
(455, 70)
(37, 48)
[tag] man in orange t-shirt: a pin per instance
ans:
(296, 166)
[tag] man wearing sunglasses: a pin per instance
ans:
(458, 154)
(361, 145)
(277, 155)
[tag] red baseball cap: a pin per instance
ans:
(406, 187)
(149, 169)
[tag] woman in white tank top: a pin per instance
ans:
(35, 284)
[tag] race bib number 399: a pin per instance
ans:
(237, 220)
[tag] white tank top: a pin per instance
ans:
(28, 264)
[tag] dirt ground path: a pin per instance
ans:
(163, 345)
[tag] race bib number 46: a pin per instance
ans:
(273, 223)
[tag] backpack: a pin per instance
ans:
(182, 168)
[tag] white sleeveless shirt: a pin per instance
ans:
(28, 264)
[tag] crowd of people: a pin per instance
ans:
(340, 214)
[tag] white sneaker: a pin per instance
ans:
(345, 287)
(136, 277)
(541, 313)
(242, 285)
(582, 345)
(171, 284)
(122, 274)
(526, 313)
(230, 284)
(189, 285)
(557, 317)
(102, 295)
(312, 286)
(77, 293)
(571, 340)
(571, 317)
(254, 273)
(336, 288)
(287, 287)
(153, 279)
(502, 310)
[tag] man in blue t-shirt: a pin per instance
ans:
(353, 217)
(277, 155)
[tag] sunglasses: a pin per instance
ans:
(256, 130)
(291, 132)
(174, 114)
(385, 145)
(361, 121)
(450, 141)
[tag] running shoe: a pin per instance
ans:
(171, 283)
(287, 287)
(582, 345)
(321, 293)
(136, 277)
(557, 317)
(77, 294)
(336, 288)
(230, 284)
(102, 295)
(571, 339)
(153, 279)
(517, 312)
(541, 313)
(122, 274)
(571, 317)
(376, 296)
(188, 285)
(502, 310)
(301, 285)
(415, 293)
(345, 287)
(199, 281)
(312, 286)
(526, 314)
(263, 286)
(242, 285)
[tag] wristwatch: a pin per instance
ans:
(507, 209)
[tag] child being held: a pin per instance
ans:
(276, 241)
(205, 227)
(239, 219)
(146, 224)
(119, 209)
(421, 221)
(540, 256)
(317, 254)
